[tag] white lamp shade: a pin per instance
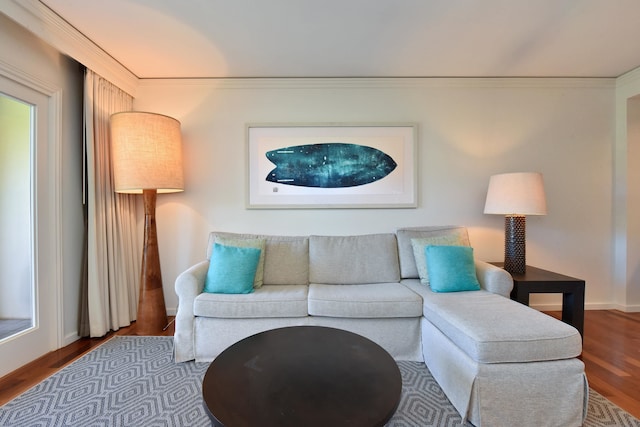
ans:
(146, 152)
(516, 194)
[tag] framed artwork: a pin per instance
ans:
(331, 166)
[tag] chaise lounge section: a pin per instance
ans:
(498, 362)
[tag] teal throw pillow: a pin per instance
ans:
(248, 243)
(232, 270)
(451, 268)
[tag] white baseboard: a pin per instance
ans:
(627, 308)
(70, 338)
(590, 306)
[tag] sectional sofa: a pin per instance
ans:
(499, 362)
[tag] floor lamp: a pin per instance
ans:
(147, 159)
(515, 195)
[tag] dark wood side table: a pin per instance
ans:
(538, 281)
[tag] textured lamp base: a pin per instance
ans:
(514, 244)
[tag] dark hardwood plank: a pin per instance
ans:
(611, 354)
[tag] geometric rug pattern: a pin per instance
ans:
(133, 381)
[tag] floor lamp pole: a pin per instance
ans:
(152, 314)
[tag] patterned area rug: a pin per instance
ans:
(133, 381)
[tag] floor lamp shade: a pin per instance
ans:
(516, 195)
(146, 153)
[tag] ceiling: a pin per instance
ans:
(362, 38)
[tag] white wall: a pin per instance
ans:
(469, 129)
(25, 52)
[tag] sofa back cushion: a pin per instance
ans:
(286, 258)
(352, 260)
(408, 269)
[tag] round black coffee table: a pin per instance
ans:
(302, 376)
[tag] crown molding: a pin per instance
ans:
(390, 82)
(55, 31)
(629, 82)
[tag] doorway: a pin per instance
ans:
(30, 275)
(16, 266)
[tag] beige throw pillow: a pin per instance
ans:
(419, 245)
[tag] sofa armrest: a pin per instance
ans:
(494, 279)
(188, 286)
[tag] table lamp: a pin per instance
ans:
(515, 195)
(147, 159)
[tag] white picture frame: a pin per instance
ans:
(391, 145)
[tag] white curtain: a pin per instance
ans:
(113, 250)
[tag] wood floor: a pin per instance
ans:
(611, 353)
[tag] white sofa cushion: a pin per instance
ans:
(286, 258)
(376, 300)
(353, 260)
(266, 301)
(493, 329)
(408, 268)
